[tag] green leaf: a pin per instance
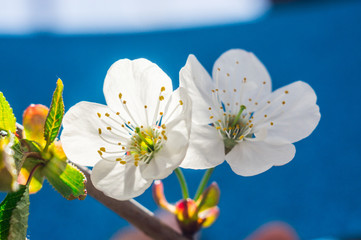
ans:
(209, 198)
(7, 118)
(18, 155)
(68, 180)
(14, 212)
(55, 115)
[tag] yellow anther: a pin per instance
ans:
(118, 113)
(107, 114)
(145, 106)
(123, 125)
(271, 123)
(237, 126)
(180, 102)
(237, 62)
(265, 115)
(283, 102)
(119, 143)
(227, 74)
(250, 99)
(211, 117)
(165, 137)
(256, 103)
(251, 125)
(124, 102)
(123, 148)
(161, 113)
(229, 128)
(100, 153)
(163, 126)
(286, 92)
(99, 131)
(268, 102)
(162, 89)
(218, 69)
(118, 159)
(224, 129)
(141, 126)
(99, 115)
(120, 96)
(161, 98)
(234, 90)
(212, 90)
(136, 163)
(241, 137)
(218, 127)
(102, 149)
(109, 128)
(219, 120)
(228, 104)
(163, 132)
(209, 108)
(216, 89)
(264, 83)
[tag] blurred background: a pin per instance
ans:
(318, 193)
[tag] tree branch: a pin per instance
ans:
(134, 213)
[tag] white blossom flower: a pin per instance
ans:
(140, 136)
(237, 118)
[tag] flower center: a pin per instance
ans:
(145, 143)
(234, 128)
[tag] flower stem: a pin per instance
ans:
(182, 182)
(203, 183)
(32, 173)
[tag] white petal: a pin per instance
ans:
(294, 115)
(140, 83)
(121, 182)
(179, 106)
(252, 158)
(206, 148)
(177, 131)
(233, 66)
(80, 137)
(195, 79)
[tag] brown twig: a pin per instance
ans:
(133, 213)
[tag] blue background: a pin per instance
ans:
(318, 193)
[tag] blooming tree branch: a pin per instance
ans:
(130, 210)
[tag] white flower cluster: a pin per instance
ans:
(147, 130)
